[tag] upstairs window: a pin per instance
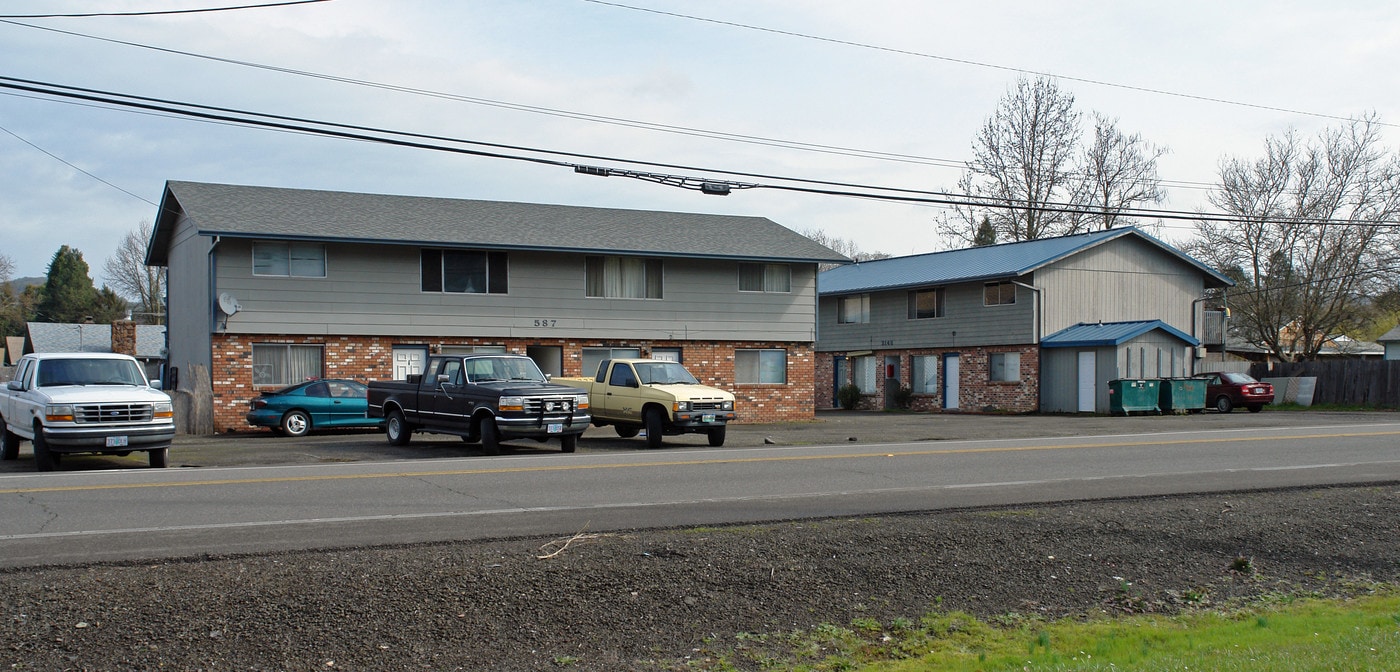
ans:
(622, 278)
(853, 309)
(926, 303)
(289, 260)
(765, 278)
(464, 271)
(998, 294)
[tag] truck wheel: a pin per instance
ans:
(43, 458)
(569, 442)
(9, 445)
(397, 429)
(717, 437)
(158, 457)
(296, 423)
(1224, 405)
(652, 419)
(490, 437)
(627, 431)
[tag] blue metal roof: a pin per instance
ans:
(1100, 334)
(1004, 261)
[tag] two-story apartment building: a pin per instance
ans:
(271, 286)
(1001, 327)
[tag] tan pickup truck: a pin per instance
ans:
(657, 396)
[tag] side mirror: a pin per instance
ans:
(156, 384)
(548, 377)
(443, 378)
(15, 385)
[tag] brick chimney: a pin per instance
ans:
(124, 337)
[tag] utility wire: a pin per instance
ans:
(70, 165)
(963, 61)
(417, 141)
(159, 12)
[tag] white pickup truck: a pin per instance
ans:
(84, 403)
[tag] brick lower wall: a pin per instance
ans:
(977, 392)
(366, 358)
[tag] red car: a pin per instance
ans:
(1226, 390)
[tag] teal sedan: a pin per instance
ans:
(316, 404)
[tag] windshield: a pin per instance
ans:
(89, 372)
(487, 369)
(664, 373)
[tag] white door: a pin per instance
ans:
(950, 381)
(1087, 384)
(408, 361)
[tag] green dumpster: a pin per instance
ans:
(1126, 395)
(1181, 395)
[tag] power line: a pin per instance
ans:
(707, 185)
(160, 12)
(963, 61)
(70, 165)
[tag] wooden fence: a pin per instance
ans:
(1352, 382)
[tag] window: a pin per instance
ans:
(765, 278)
(296, 260)
(766, 367)
(863, 373)
(1005, 367)
(278, 364)
(472, 349)
(622, 278)
(925, 374)
(622, 376)
(464, 271)
(667, 354)
(925, 303)
(853, 309)
(594, 356)
(998, 294)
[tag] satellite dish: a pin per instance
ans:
(228, 304)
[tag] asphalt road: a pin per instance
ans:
(251, 493)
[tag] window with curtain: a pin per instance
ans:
(998, 294)
(863, 373)
(760, 367)
(464, 271)
(285, 364)
(765, 278)
(926, 303)
(296, 260)
(1005, 367)
(622, 278)
(853, 309)
(925, 374)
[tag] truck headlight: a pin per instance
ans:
(581, 402)
(512, 404)
(728, 405)
(58, 413)
(680, 406)
(164, 409)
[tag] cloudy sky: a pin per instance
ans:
(886, 93)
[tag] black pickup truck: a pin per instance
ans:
(488, 398)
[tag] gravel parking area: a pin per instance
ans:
(675, 599)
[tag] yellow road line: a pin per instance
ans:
(696, 462)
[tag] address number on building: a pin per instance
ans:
(546, 323)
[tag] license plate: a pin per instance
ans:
(116, 441)
(556, 427)
(708, 417)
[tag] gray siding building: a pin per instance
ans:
(965, 329)
(269, 286)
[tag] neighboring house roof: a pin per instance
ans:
(1101, 334)
(270, 213)
(990, 262)
(81, 337)
(1392, 336)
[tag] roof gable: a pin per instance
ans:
(271, 213)
(990, 262)
(1101, 334)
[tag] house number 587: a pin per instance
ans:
(545, 323)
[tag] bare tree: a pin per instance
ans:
(129, 275)
(1316, 235)
(842, 246)
(1117, 172)
(1023, 161)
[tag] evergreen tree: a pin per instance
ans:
(68, 294)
